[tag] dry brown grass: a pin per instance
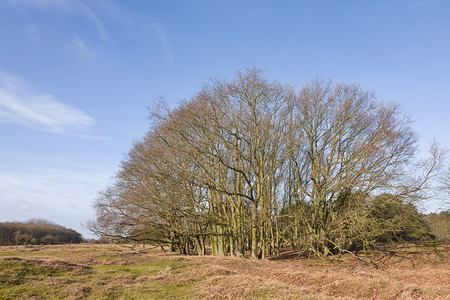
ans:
(111, 272)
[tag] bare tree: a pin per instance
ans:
(355, 148)
(248, 164)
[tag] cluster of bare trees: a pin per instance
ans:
(251, 164)
(36, 232)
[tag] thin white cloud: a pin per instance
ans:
(67, 6)
(33, 33)
(138, 23)
(20, 104)
(40, 3)
(164, 41)
(82, 49)
(92, 12)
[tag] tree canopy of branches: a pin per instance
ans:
(251, 164)
(36, 232)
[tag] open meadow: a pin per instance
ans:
(89, 271)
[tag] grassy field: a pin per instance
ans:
(113, 272)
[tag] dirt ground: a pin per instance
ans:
(115, 272)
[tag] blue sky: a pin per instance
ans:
(76, 77)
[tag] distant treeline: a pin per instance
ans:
(36, 232)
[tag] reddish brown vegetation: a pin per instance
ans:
(409, 272)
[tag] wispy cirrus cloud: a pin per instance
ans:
(82, 49)
(40, 3)
(66, 6)
(33, 33)
(164, 42)
(20, 104)
(94, 11)
(136, 23)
